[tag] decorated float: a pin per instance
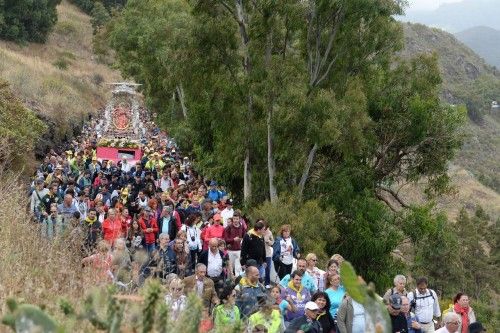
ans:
(121, 128)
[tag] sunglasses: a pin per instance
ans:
(177, 289)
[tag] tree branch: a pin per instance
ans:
(394, 195)
(387, 202)
(307, 168)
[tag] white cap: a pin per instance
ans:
(312, 306)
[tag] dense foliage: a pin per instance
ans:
(27, 20)
(88, 5)
(19, 128)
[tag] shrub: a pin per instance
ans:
(61, 63)
(312, 227)
(19, 128)
(66, 28)
(27, 20)
(85, 5)
(99, 16)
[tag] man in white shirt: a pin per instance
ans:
(425, 305)
(164, 182)
(227, 212)
(214, 267)
(451, 322)
(126, 166)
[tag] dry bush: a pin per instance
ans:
(31, 268)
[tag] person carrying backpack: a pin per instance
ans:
(425, 304)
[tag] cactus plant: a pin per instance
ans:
(28, 318)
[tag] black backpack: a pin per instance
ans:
(413, 303)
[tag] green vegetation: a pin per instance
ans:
(87, 6)
(26, 20)
(19, 128)
(99, 16)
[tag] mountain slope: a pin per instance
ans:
(485, 41)
(458, 16)
(59, 80)
(459, 64)
(478, 163)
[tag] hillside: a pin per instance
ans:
(485, 41)
(459, 64)
(59, 80)
(458, 16)
(476, 169)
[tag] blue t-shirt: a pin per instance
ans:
(336, 297)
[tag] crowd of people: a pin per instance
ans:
(158, 218)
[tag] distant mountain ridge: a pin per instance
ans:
(463, 71)
(458, 16)
(459, 64)
(485, 41)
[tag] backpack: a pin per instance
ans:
(413, 303)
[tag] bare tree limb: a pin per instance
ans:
(387, 202)
(394, 195)
(307, 168)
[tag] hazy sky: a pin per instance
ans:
(427, 4)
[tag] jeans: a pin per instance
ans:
(268, 271)
(150, 247)
(194, 256)
(234, 260)
(262, 272)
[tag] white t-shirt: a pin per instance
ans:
(214, 268)
(358, 318)
(225, 214)
(286, 251)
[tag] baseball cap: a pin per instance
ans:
(312, 306)
(229, 202)
(395, 301)
(476, 327)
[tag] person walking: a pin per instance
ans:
(253, 247)
(233, 236)
(285, 249)
(462, 308)
(425, 304)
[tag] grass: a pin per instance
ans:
(59, 77)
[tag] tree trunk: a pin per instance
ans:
(307, 168)
(247, 177)
(247, 66)
(180, 94)
(273, 193)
